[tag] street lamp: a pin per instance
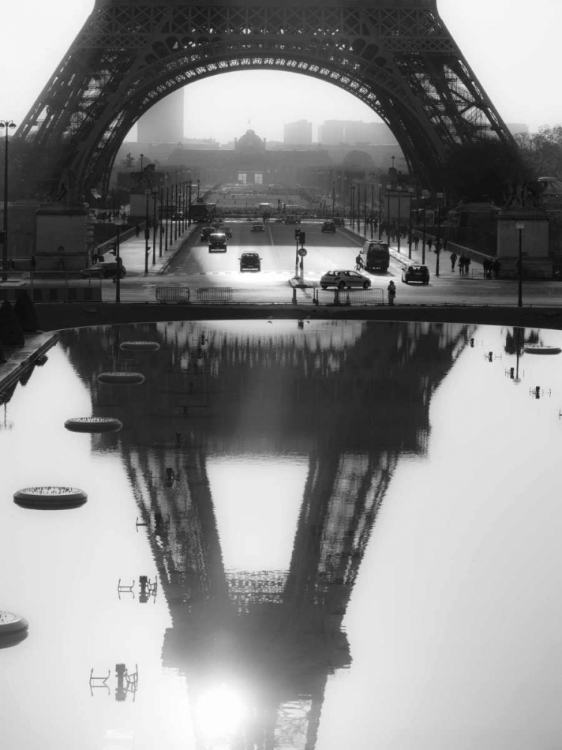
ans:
(399, 189)
(372, 208)
(8, 124)
(161, 199)
(520, 226)
(154, 194)
(146, 233)
(388, 189)
(410, 229)
(118, 221)
(438, 237)
(380, 210)
(189, 205)
(425, 196)
(333, 199)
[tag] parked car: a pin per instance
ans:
(258, 226)
(415, 273)
(328, 226)
(250, 262)
(292, 220)
(343, 278)
(104, 270)
(217, 241)
(205, 232)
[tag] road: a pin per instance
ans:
(195, 267)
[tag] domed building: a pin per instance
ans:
(250, 143)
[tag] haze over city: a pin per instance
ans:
(512, 47)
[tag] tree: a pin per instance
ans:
(542, 151)
(483, 171)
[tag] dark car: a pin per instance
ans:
(415, 273)
(328, 226)
(104, 270)
(258, 226)
(205, 232)
(339, 221)
(250, 262)
(217, 241)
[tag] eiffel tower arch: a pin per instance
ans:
(396, 56)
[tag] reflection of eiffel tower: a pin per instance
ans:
(351, 398)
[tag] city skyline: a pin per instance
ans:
(512, 51)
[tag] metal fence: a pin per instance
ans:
(214, 294)
(349, 297)
(176, 294)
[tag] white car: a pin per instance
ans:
(343, 279)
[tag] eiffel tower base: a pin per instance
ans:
(61, 248)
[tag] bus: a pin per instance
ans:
(201, 212)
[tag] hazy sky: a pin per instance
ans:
(512, 46)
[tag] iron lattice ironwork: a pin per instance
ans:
(397, 56)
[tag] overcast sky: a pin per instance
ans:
(513, 46)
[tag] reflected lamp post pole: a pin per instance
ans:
(520, 226)
(146, 232)
(438, 237)
(8, 124)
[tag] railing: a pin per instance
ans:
(353, 297)
(214, 294)
(176, 294)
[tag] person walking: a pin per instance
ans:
(453, 260)
(391, 289)
(429, 243)
(137, 230)
(462, 261)
(496, 265)
(416, 242)
(467, 264)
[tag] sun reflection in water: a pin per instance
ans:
(220, 712)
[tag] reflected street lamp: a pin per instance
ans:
(520, 226)
(8, 124)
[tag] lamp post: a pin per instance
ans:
(399, 190)
(333, 199)
(161, 199)
(118, 221)
(175, 189)
(351, 215)
(146, 233)
(154, 194)
(388, 189)
(372, 207)
(167, 217)
(425, 196)
(8, 124)
(520, 226)
(410, 192)
(198, 191)
(189, 206)
(438, 237)
(380, 210)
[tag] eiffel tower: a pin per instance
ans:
(396, 56)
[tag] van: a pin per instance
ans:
(377, 255)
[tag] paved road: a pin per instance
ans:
(190, 264)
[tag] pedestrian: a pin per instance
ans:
(467, 265)
(487, 269)
(496, 265)
(445, 241)
(429, 243)
(391, 289)
(137, 230)
(453, 260)
(416, 241)
(33, 263)
(462, 262)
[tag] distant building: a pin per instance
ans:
(354, 132)
(163, 123)
(299, 132)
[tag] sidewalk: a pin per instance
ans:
(132, 251)
(430, 260)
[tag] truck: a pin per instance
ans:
(377, 255)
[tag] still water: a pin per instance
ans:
(340, 535)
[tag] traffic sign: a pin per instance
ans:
(302, 251)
